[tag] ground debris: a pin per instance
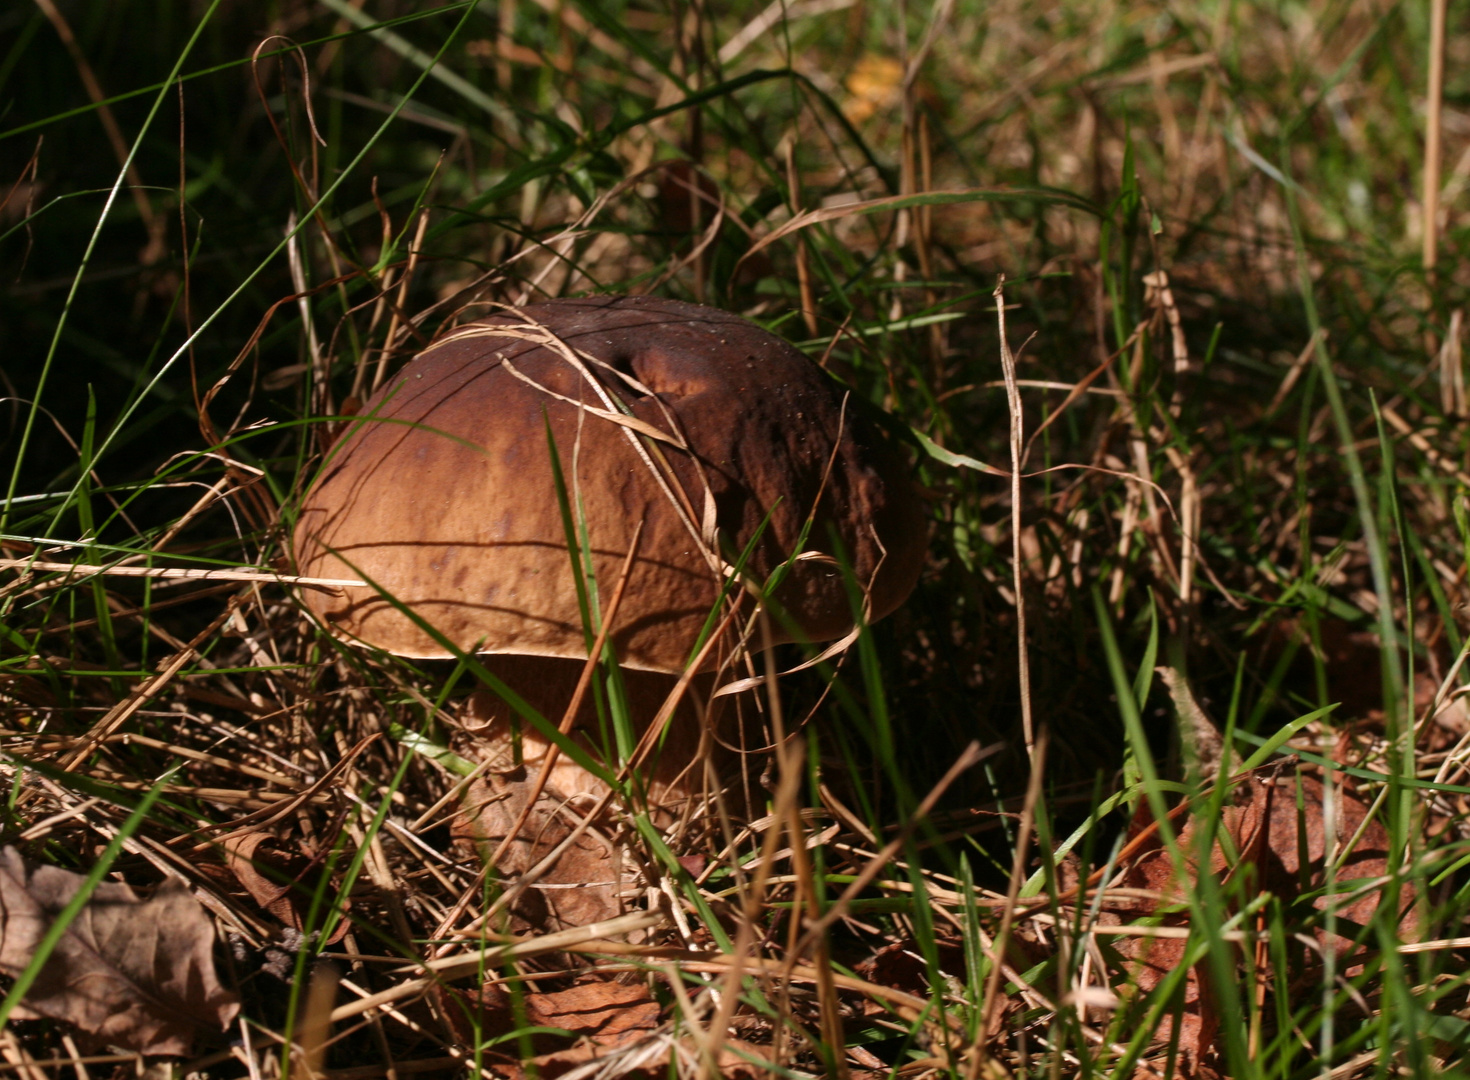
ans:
(282, 880)
(1272, 839)
(129, 971)
(594, 1020)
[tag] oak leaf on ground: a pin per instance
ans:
(1275, 847)
(129, 971)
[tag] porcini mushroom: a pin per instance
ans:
(712, 433)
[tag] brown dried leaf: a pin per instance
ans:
(280, 880)
(1281, 849)
(901, 965)
(131, 972)
(646, 1059)
(579, 888)
(606, 1014)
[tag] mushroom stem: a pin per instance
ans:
(516, 820)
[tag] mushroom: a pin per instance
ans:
(689, 440)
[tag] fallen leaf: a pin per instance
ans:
(281, 880)
(605, 1013)
(608, 1013)
(129, 971)
(693, 864)
(580, 887)
(1277, 848)
(901, 966)
(648, 1058)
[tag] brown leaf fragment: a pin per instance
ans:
(580, 887)
(647, 1058)
(279, 879)
(1271, 846)
(608, 1013)
(598, 1011)
(901, 966)
(129, 971)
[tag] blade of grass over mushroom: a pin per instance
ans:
(610, 697)
(733, 581)
(873, 715)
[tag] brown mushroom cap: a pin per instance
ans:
(442, 493)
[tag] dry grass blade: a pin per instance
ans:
(596, 939)
(1017, 423)
(1434, 123)
(807, 218)
(990, 1003)
(120, 713)
(77, 571)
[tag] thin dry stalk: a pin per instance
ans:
(753, 902)
(1013, 397)
(1433, 152)
(148, 691)
(938, 332)
(1189, 517)
(1158, 283)
(17, 1058)
(790, 754)
(400, 307)
(321, 387)
(595, 939)
(316, 1025)
(803, 272)
(1294, 373)
(1419, 442)
(990, 1003)
(1452, 368)
(175, 573)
